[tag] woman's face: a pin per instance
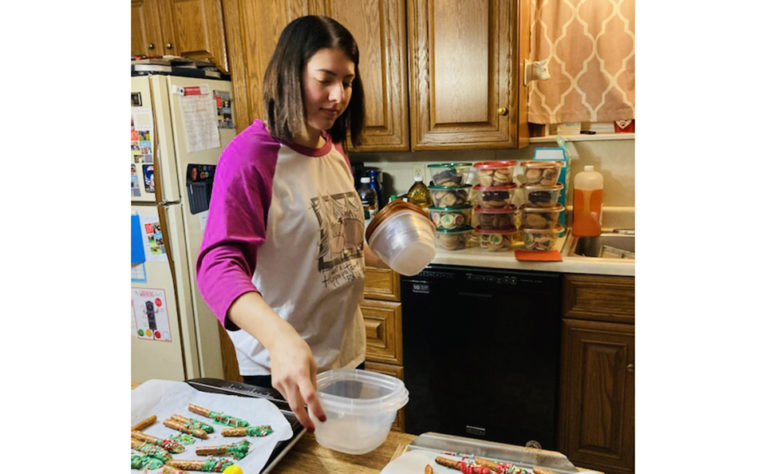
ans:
(327, 79)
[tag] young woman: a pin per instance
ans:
(281, 263)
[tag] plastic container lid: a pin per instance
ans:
(461, 207)
(418, 179)
(495, 164)
(542, 163)
(448, 165)
(450, 188)
(527, 208)
(501, 187)
(388, 210)
(479, 230)
(495, 210)
(554, 230)
(543, 187)
(357, 392)
(455, 231)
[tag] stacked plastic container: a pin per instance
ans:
(451, 210)
(541, 210)
(494, 214)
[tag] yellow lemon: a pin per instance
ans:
(234, 469)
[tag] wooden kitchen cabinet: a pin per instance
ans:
(188, 28)
(382, 312)
(597, 393)
(466, 83)
(378, 26)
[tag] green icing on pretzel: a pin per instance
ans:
(227, 419)
(198, 425)
(238, 450)
(216, 464)
(182, 438)
(259, 431)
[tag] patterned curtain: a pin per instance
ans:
(590, 47)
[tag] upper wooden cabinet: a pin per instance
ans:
(188, 28)
(462, 88)
(378, 27)
(465, 70)
(253, 29)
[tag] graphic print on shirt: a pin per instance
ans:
(341, 233)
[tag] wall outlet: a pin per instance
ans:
(419, 170)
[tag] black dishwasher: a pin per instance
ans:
(481, 353)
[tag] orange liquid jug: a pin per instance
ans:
(588, 201)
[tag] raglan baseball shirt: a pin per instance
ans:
(286, 221)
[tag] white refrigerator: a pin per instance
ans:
(179, 126)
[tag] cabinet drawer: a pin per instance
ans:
(393, 371)
(601, 298)
(381, 284)
(383, 325)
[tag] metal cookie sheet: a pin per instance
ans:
(429, 445)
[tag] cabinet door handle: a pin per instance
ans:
(151, 46)
(502, 110)
(630, 368)
(169, 45)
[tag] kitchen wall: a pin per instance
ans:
(613, 157)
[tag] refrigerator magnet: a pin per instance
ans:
(150, 314)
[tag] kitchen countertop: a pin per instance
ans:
(308, 456)
(478, 257)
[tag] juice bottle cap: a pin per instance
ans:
(366, 179)
(418, 178)
(588, 167)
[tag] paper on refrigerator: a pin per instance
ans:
(164, 398)
(200, 118)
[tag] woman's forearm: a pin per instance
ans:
(252, 314)
(371, 259)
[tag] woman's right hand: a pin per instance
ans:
(293, 368)
(294, 375)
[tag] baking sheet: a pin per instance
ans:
(164, 398)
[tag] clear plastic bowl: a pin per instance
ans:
(495, 240)
(495, 173)
(449, 196)
(540, 239)
(543, 172)
(453, 239)
(451, 217)
(449, 174)
(360, 406)
(542, 196)
(494, 197)
(540, 217)
(495, 219)
(403, 237)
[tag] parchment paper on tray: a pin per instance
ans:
(165, 398)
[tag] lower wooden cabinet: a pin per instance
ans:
(393, 371)
(597, 412)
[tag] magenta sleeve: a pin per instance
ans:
(236, 224)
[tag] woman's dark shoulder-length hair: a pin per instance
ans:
(282, 91)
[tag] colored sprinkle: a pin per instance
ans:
(259, 431)
(182, 438)
(227, 419)
(216, 464)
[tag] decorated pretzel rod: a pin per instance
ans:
(192, 423)
(206, 465)
(143, 424)
(465, 467)
(217, 416)
(236, 450)
(140, 461)
(259, 431)
(184, 429)
(429, 469)
(169, 444)
(171, 470)
(487, 463)
(150, 450)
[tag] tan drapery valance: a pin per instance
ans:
(590, 47)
